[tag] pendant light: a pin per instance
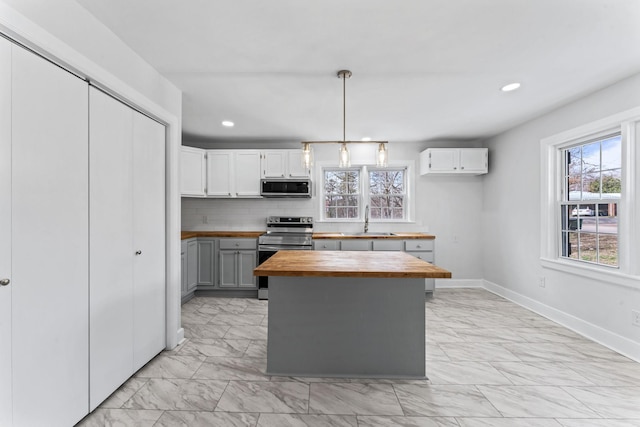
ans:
(344, 160)
(382, 157)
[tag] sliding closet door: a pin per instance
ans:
(5, 232)
(49, 282)
(111, 245)
(149, 239)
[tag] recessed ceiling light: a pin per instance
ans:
(510, 87)
(227, 123)
(366, 138)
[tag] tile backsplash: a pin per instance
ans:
(239, 214)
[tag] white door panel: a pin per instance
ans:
(149, 239)
(5, 232)
(49, 245)
(111, 245)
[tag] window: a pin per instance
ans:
(347, 191)
(341, 193)
(589, 206)
(589, 200)
(387, 193)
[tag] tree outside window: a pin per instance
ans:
(341, 194)
(387, 193)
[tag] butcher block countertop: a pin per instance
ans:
(379, 264)
(336, 236)
(395, 236)
(237, 234)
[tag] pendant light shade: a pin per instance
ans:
(345, 161)
(381, 157)
(307, 155)
(343, 153)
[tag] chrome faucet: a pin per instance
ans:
(366, 219)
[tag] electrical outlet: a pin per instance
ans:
(635, 317)
(543, 282)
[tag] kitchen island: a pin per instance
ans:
(347, 314)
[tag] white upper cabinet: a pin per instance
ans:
(472, 161)
(283, 164)
(247, 175)
(219, 170)
(274, 164)
(296, 166)
(193, 172)
(233, 173)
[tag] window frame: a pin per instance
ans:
(566, 202)
(409, 211)
(627, 124)
(404, 195)
(358, 195)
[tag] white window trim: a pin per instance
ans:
(628, 124)
(409, 165)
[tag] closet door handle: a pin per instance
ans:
(4, 282)
(138, 252)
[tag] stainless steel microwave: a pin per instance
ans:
(285, 188)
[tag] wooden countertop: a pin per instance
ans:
(237, 234)
(331, 236)
(381, 264)
(395, 236)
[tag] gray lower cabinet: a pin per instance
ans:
(419, 248)
(189, 268)
(206, 263)
(388, 245)
(326, 245)
(237, 259)
(356, 245)
(183, 267)
(423, 249)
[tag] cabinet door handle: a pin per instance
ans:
(418, 246)
(5, 282)
(461, 167)
(138, 252)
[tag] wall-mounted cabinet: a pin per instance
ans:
(283, 164)
(233, 173)
(454, 161)
(193, 172)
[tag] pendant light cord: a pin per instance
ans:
(344, 107)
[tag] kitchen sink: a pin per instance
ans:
(369, 233)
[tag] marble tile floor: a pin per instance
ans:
(490, 362)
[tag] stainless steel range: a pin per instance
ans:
(283, 233)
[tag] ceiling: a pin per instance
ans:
(422, 69)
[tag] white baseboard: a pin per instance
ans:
(595, 333)
(459, 283)
(180, 335)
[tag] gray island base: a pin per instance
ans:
(346, 327)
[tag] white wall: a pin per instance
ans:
(511, 227)
(74, 26)
(448, 207)
(67, 34)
